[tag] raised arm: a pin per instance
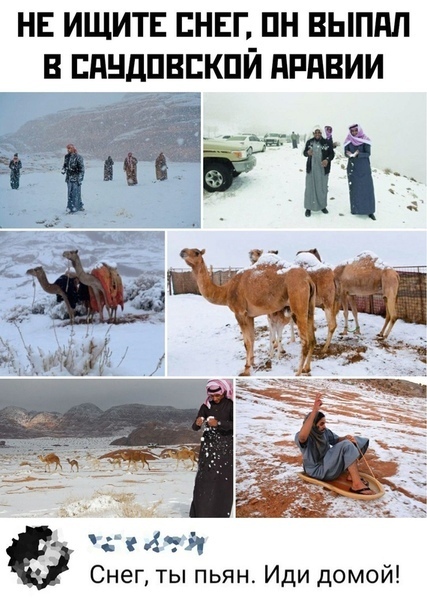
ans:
(308, 424)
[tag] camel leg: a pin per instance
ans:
(344, 302)
(302, 308)
(390, 318)
(272, 333)
(68, 305)
(246, 325)
(332, 325)
(353, 306)
(292, 326)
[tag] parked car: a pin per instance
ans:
(223, 160)
(273, 139)
(252, 140)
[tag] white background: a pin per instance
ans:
(237, 543)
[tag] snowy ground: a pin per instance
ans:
(98, 489)
(272, 196)
(36, 340)
(41, 200)
(271, 413)
(204, 339)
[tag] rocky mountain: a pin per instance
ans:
(142, 123)
(88, 420)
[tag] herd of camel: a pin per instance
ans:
(289, 292)
(132, 456)
(104, 284)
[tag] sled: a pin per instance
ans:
(342, 486)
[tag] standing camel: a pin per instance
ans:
(48, 459)
(51, 288)
(366, 275)
(277, 321)
(90, 281)
(326, 292)
(262, 289)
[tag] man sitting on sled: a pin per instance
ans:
(326, 456)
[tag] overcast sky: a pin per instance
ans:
(62, 394)
(18, 108)
(231, 248)
(395, 122)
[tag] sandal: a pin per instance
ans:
(361, 491)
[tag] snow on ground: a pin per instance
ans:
(99, 489)
(41, 200)
(271, 412)
(204, 340)
(35, 337)
(272, 196)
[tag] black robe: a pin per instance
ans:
(213, 487)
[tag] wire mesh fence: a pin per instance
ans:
(411, 298)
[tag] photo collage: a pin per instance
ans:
(212, 305)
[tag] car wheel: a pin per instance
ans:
(217, 177)
(264, 148)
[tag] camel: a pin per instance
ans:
(89, 280)
(74, 464)
(326, 291)
(134, 456)
(366, 275)
(112, 286)
(181, 455)
(49, 459)
(51, 288)
(262, 289)
(277, 321)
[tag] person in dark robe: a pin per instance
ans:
(326, 455)
(213, 487)
(130, 167)
(74, 171)
(357, 147)
(319, 152)
(108, 168)
(161, 167)
(15, 166)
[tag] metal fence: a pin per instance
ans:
(411, 299)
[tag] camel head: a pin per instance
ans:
(71, 254)
(313, 251)
(36, 271)
(254, 255)
(193, 257)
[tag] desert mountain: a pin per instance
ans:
(88, 420)
(144, 124)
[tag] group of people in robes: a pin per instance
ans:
(213, 486)
(319, 150)
(130, 168)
